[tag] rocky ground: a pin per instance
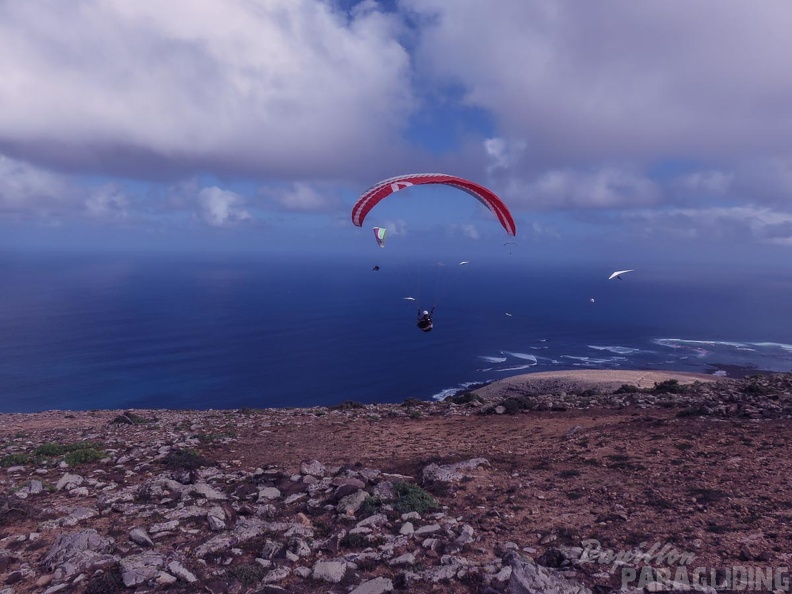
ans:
(558, 484)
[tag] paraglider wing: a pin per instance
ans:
(379, 235)
(463, 263)
(618, 274)
(409, 298)
(385, 188)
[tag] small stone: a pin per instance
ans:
(329, 571)
(268, 494)
(428, 529)
(177, 569)
(378, 585)
(139, 536)
(407, 529)
(313, 468)
(165, 578)
(405, 559)
(350, 504)
(303, 572)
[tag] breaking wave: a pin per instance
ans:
(619, 350)
(449, 392)
(492, 359)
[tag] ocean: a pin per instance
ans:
(119, 331)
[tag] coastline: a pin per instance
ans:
(587, 378)
(288, 500)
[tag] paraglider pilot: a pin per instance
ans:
(425, 320)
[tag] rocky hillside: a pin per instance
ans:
(556, 486)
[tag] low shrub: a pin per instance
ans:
(184, 459)
(347, 405)
(412, 498)
(248, 574)
(15, 460)
(107, 582)
(371, 505)
(83, 456)
(465, 398)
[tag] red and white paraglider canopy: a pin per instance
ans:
(385, 188)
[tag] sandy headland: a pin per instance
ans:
(567, 478)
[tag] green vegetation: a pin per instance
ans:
(59, 449)
(248, 573)
(73, 453)
(83, 456)
(15, 460)
(671, 386)
(755, 389)
(347, 405)
(371, 506)
(514, 405)
(465, 398)
(216, 436)
(107, 582)
(412, 498)
(130, 418)
(250, 411)
(184, 459)
(354, 541)
(13, 508)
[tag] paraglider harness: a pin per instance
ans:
(425, 320)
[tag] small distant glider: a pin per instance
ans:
(464, 262)
(618, 274)
(375, 268)
(379, 235)
(592, 300)
(409, 298)
(508, 314)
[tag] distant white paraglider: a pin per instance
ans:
(508, 314)
(464, 262)
(618, 274)
(592, 300)
(409, 298)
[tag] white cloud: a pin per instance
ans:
(107, 202)
(737, 223)
(262, 87)
(303, 197)
(538, 230)
(618, 79)
(608, 187)
(220, 208)
(503, 152)
(710, 182)
(396, 227)
(468, 230)
(26, 190)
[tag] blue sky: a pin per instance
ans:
(615, 131)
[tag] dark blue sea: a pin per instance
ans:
(184, 331)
